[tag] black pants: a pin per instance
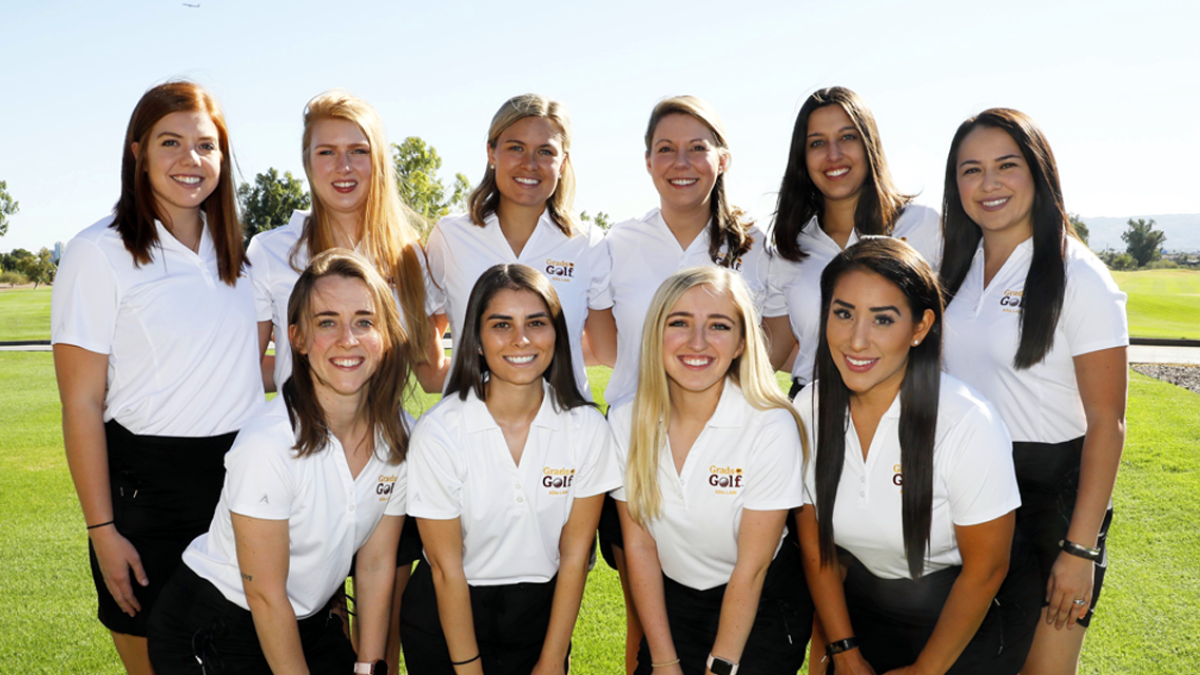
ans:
(777, 640)
(1048, 477)
(510, 626)
(194, 630)
(894, 618)
(164, 492)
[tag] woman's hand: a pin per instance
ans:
(549, 667)
(851, 662)
(117, 557)
(1071, 578)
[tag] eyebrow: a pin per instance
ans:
(355, 144)
(691, 140)
(710, 316)
(845, 128)
(998, 159)
(330, 312)
(505, 317)
(885, 308)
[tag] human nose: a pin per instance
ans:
(348, 336)
(520, 339)
(835, 151)
(697, 339)
(860, 336)
(681, 159)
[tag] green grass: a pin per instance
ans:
(1162, 303)
(1149, 613)
(26, 314)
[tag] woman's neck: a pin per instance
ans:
(517, 222)
(185, 225)
(346, 417)
(837, 220)
(687, 224)
(998, 247)
(347, 229)
(694, 407)
(512, 403)
(868, 408)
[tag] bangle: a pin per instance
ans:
(470, 660)
(839, 646)
(1093, 554)
(664, 664)
(92, 527)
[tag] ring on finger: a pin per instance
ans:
(1079, 602)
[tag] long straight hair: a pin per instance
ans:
(728, 226)
(652, 404)
(470, 369)
(1051, 227)
(485, 199)
(390, 238)
(880, 204)
(900, 265)
(136, 210)
(387, 387)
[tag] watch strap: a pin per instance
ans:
(720, 666)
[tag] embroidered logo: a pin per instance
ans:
(727, 479)
(385, 486)
(1012, 301)
(560, 270)
(557, 481)
(898, 478)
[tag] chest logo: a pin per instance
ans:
(560, 270)
(727, 479)
(385, 486)
(557, 481)
(1012, 301)
(898, 477)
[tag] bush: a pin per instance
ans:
(1162, 264)
(1118, 261)
(13, 278)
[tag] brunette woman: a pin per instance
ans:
(151, 322)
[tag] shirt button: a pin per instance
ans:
(862, 494)
(351, 507)
(520, 500)
(517, 485)
(862, 479)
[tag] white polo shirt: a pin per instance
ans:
(743, 459)
(182, 344)
(578, 267)
(330, 514)
(512, 515)
(644, 253)
(796, 286)
(271, 270)
(973, 481)
(982, 330)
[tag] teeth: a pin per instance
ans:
(520, 360)
(345, 184)
(696, 361)
(527, 181)
(346, 363)
(683, 182)
(859, 362)
(187, 180)
(995, 202)
(838, 172)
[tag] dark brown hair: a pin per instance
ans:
(137, 208)
(879, 203)
(470, 366)
(1051, 227)
(388, 385)
(900, 265)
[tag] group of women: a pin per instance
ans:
(984, 425)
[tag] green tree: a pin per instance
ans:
(417, 165)
(40, 269)
(8, 207)
(11, 261)
(1142, 241)
(601, 220)
(1081, 227)
(270, 201)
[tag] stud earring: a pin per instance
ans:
(491, 167)
(916, 342)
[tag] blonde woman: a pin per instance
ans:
(522, 212)
(712, 454)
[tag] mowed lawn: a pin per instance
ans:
(1149, 617)
(25, 314)
(1162, 303)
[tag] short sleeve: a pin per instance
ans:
(260, 277)
(775, 465)
(598, 472)
(775, 303)
(1093, 312)
(804, 404)
(398, 502)
(619, 422)
(258, 479)
(980, 480)
(921, 227)
(435, 473)
(85, 298)
(600, 262)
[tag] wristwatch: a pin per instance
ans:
(377, 668)
(720, 666)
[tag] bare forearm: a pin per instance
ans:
(963, 613)
(568, 595)
(373, 592)
(278, 632)
(1101, 458)
(738, 609)
(646, 585)
(458, 622)
(87, 458)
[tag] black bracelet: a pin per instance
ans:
(463, 663)
(92, 527)
(834, 648)
(1070, 547)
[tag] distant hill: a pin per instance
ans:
(1183, 231)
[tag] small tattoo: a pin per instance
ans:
(247, 577)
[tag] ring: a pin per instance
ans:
(1079, 601)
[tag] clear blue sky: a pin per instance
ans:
(1115, 85)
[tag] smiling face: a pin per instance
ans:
(870, 331)
(684, 160)
(703, 335)
(995, 184)
(517, 338)
(529, 159)
(835, 154)
(340, 163)
(183, 162)
(342, 340)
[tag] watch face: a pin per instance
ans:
(379, 668)
(721, 667)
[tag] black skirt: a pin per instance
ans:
(777, 640)
(164, 492)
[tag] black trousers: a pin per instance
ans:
(777, 640)
(194, 630)
(510, 626)
(164, 492)
(1048, 477)
(894, 618)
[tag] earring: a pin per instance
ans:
(491, 167)
(916, 342)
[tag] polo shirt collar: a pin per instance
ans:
(814, 237)
(167, 240)
(655, 218)
(477, 417)
(545, 229)
(731, 409)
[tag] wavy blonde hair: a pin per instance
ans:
(652, 404)
(485, 199)
(390, 235)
